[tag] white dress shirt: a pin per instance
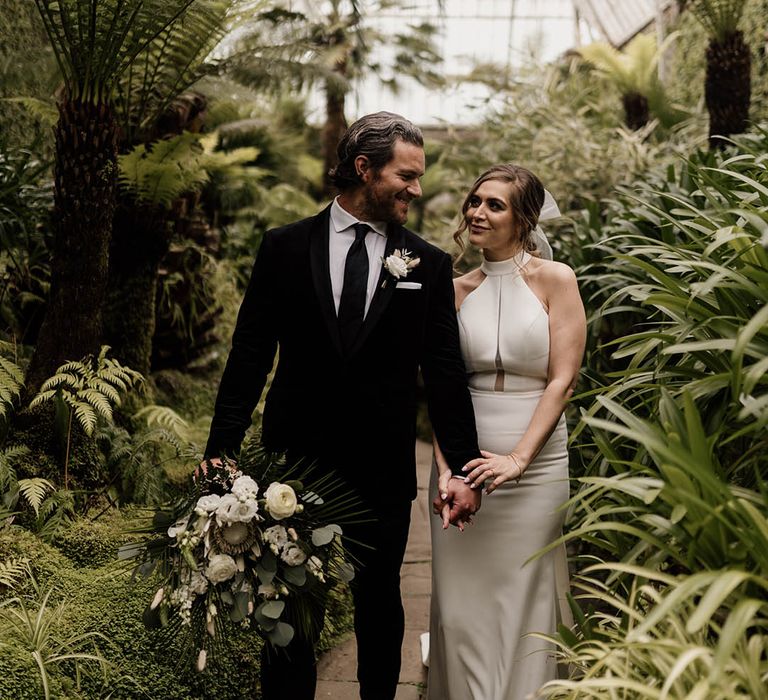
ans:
(340, 239)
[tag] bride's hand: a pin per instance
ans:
(440, 505)
(498, 468)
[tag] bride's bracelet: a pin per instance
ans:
(463, 477)
(516, 460)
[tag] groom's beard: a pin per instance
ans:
(382, 205)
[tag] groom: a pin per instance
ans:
(353, 325)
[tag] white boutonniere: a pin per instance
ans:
(399, 264)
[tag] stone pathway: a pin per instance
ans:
(337, 669)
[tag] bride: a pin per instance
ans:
(523, 329)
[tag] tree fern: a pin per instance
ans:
(635, 70)
(718, 17)
(96, 41)
(176, 59)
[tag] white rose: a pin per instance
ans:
(222, 510)
(396, 266)
(293, 555)
(245, 488)
(233, 510)
(244, 511)
(207, 504)
(178, 527)
(281, 500)
(220, 568)
(276, 535)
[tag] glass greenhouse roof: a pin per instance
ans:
(507, 34)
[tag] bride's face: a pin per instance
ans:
(491, 220)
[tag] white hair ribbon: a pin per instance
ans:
(549, 210)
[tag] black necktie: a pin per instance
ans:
(352, 303)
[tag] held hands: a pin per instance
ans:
(498, 468)
(455, 502)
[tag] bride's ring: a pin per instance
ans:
(491, 473)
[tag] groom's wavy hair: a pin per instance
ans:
(373, 136)
(526, 198)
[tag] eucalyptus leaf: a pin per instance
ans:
(268, 560)
(241, 604)
(266, 623)
(265, 575)
(322, 536)
(272, 608)
(281, 635)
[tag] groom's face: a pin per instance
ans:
(389, 190)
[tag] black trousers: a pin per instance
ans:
(291, 673)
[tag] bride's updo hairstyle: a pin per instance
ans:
(526, 198)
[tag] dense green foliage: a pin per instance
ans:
(669, 515)
(672, 512)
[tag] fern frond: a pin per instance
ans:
(163, 416)
(98, 401)
(11, 384)
(104, 387)
(610, 62)
(168, 169)
(91, 387)
(86, 416)
(12, 571)
(69, 379)
(42, 397)
(8, 456)
(12, 370)
(33, 490)
(58, 500)
(177, 58)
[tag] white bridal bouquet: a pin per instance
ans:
(254, 552)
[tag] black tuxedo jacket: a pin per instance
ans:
(356, 412)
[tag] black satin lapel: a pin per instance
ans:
(384, 289)
(321, 276)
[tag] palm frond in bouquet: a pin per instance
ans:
(255, 543)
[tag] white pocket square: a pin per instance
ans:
(408, 285)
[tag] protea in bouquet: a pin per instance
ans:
(252, 545)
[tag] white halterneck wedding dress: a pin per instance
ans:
(485, 598)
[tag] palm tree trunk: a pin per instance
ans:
(84, 202)
(140, 239)
(728, 87)
(636, 112)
